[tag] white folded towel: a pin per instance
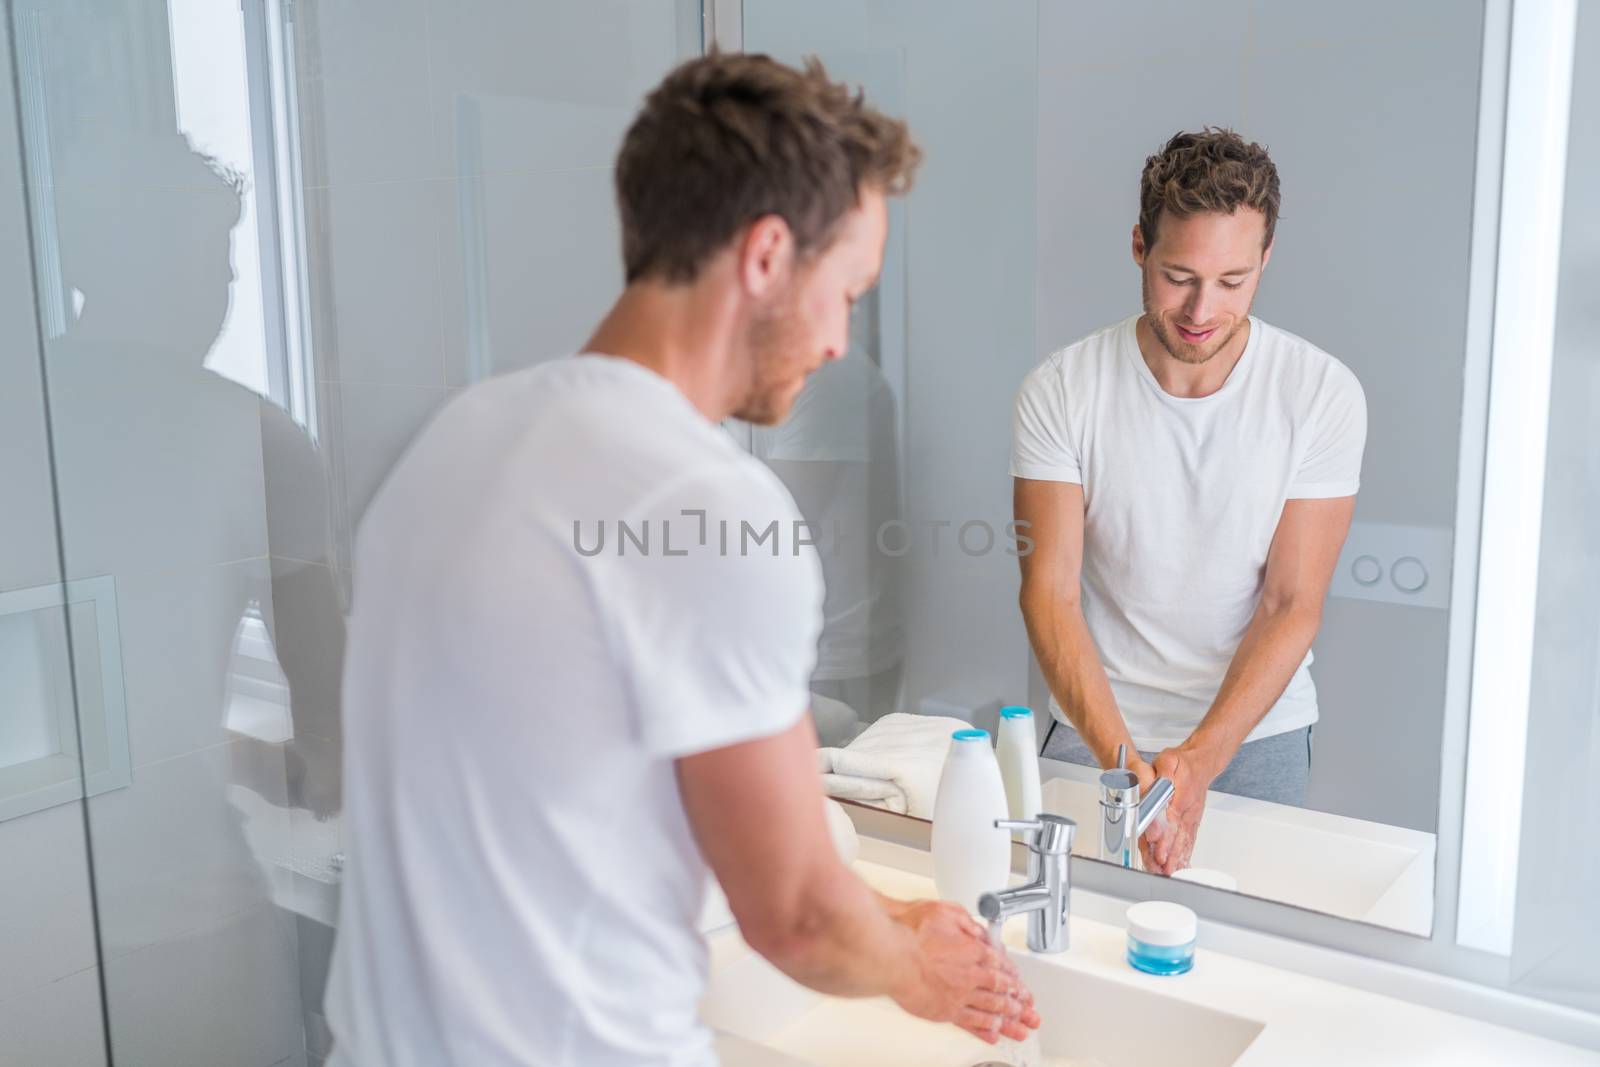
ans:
(894, 764)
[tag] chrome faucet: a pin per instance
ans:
(1123, 816)
(1045, 897)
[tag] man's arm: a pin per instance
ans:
(1305, 549)
(756, 811)
(1053, 611)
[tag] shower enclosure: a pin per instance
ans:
(245, 250)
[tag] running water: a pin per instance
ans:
(1024, 1053)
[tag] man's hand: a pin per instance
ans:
(963, 979)
(1167, 845)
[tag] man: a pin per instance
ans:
(548, 742)
(1189, 475)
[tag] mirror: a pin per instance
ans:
(1196, 484)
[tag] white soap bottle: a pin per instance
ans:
(970, 856)
(1018, 754)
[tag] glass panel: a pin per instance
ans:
(271, 239)
(50, 992)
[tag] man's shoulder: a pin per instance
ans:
(1088, 355)
(1293, 358)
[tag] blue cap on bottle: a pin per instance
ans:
(971, 735)
(1016, 711)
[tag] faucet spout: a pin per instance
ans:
(1124, 815)
(1154, 804)
(1018, 900)
(1046, 897)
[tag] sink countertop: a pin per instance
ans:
(1309, 1021)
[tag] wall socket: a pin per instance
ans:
(1395, 564)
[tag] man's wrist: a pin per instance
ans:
(1208, 756)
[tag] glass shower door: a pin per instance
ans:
(268, 240)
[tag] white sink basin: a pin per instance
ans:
(1329, 863)
(766, 1020)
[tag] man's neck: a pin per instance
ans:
(1189, 380)
(684, 333)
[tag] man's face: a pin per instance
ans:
(806, 322)
(1200, 279)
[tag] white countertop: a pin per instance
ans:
(1308, 1021)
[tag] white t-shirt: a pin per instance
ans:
(1181, 500)
(522, 886)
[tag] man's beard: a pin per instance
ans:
(773, 345)
(1176, 347)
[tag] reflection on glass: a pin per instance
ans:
(838, 454)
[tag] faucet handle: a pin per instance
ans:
(1052, 834)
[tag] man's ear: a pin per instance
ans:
(1138, 245)
(1266, 253)
(766, 253)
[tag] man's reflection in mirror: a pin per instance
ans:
(1189, 475)
(838, 453)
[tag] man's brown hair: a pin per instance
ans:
(730, 137)
(1214, 170)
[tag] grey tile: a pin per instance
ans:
(536, 87)
(1362, 159)
(363, 87)
(1276, 26)
(530, 263)
(374, 270)
(48, 929)
(377, 423)
(1088, 201)
(191, 842)
(1149, 33)
(220, 994)
(55, 1025)
(207, 619)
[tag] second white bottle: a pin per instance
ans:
(1017, 752)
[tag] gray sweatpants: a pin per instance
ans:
(1275, 768)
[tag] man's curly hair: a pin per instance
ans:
(730, 137)
(1213, 171)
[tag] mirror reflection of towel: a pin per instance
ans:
(895, 764)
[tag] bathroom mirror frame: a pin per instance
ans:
(1515, 96)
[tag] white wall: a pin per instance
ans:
(1369, 111)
